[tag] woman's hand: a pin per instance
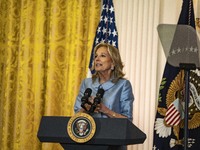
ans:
(101, 108)
(105, 110)
(88, 104)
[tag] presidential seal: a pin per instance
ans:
(81, 127)
(170, 124)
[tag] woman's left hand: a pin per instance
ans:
(101, 108)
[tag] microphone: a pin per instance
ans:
(84, 99)
(97, 100)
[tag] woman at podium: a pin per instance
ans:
(107, 93)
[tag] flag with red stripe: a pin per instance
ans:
(173, 116)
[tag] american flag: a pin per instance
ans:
(106, 31)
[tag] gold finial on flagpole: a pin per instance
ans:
(197, 20)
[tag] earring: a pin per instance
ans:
(112, 68)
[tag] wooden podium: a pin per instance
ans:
(111, 133)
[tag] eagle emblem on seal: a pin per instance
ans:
(81, 128)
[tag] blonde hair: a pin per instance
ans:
(117, 72)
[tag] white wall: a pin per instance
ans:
(143, 55)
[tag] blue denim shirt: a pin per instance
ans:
(117, 96)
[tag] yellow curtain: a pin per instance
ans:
(45, 47)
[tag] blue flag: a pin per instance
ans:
(106, 31)
(169, 121)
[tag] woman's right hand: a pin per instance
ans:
(88, 105)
